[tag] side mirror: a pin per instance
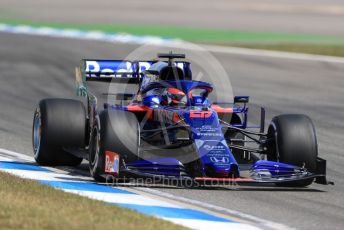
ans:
(241, 99)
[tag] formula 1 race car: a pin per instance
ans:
(169, 129)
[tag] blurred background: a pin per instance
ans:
(311, 26)
(35, 67)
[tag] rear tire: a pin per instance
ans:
(294, 143)
(58, 123)
(119, 133)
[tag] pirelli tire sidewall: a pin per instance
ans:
(63, 125)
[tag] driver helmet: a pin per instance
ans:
(176, 96)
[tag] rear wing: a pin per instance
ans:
(108, 70)
(117, 71)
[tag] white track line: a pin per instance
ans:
(206, 225)
(38, 175)
(123, 198)
(15, 154)
(267, 224)
(154, 40)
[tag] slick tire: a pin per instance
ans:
(119, 133)
(58, 124)
(294, 143)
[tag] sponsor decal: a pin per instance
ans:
(210, 134)
(200, 114)
(219, 159)
(111, 163)
(144, 65)
(214, 147)
(206, 128)
(106, 68)
(208, 131)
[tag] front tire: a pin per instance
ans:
(294, 143)
(119, 133)
(58, 123)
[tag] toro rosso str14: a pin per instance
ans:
(169, 129)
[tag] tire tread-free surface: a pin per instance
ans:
(118, 133)
(63, 125)
(294, 143)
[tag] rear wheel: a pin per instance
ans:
(119, 133)
(294, 143)
(58, 123)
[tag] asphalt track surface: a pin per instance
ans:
(32, 68)
(296, 16)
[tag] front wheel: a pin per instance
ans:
(118, 133)
(294, 142)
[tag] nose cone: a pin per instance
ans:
(216, 157)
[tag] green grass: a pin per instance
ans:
(26, 204)
(304, 43)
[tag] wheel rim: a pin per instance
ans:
(37, 132)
